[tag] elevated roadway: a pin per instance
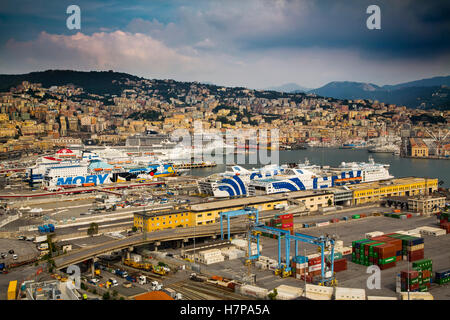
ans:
(143, 238)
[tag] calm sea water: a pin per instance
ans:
(399, 167)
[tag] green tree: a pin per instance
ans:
(134, 229)
(273, 295)
(115, 293)
(93, 229)
(330, 202)
(106, 296)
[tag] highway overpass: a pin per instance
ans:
(80, 255)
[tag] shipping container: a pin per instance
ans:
(12, 290)
(350, 294)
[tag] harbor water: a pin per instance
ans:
(399, 167)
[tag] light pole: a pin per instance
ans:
(408, 282)
(304, 275)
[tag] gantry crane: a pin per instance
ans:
(255, 230)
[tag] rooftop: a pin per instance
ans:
(393, 182)
(153, 295)
(256, 199)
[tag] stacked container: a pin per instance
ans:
(443, 221)
(412, 247)
(382, 251)
(315, 266)
(210, 256)
(339, 265)
(281, 221)
(300, 265)
(410, 280)
(424, 268)
(442, 277)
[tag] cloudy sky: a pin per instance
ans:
(253, 43)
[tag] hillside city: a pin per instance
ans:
(34, 117)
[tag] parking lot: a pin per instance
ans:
(25, 250)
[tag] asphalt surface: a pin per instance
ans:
(355, 276)
(25, 250)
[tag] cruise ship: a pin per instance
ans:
(296, 179)
(238, 181)
(68, 168)
(234, 181)
(98, 172)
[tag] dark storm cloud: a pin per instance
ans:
(408, 28)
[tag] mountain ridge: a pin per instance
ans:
(424, 93)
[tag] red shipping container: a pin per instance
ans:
(314, 261)
(413, 287)
(416, 255)
(309, 278)
(288, 225)
(339, 265)
(426, 274)
(409, 215)
(286, 216)
(385, 251)
(411, 275)
(399, 258)
(286, 221)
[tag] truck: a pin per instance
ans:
(131, 278)
(142, 280)
(156, 286)
(198, 278)
(40, 239)
(280, 206)
(121, 273)
(3, 268)
(171, 292)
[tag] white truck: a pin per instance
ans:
(156, 286)
(174, 294)
(142, 280)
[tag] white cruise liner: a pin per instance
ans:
(234, 181)
(303, 176)
(304, 179)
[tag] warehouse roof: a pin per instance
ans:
(256, 200)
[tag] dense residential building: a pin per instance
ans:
(165, 106)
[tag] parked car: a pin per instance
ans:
(15, 256)
(21, 238)
(127, 284)
(4, 255)
(11, 251)
(113, 282)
